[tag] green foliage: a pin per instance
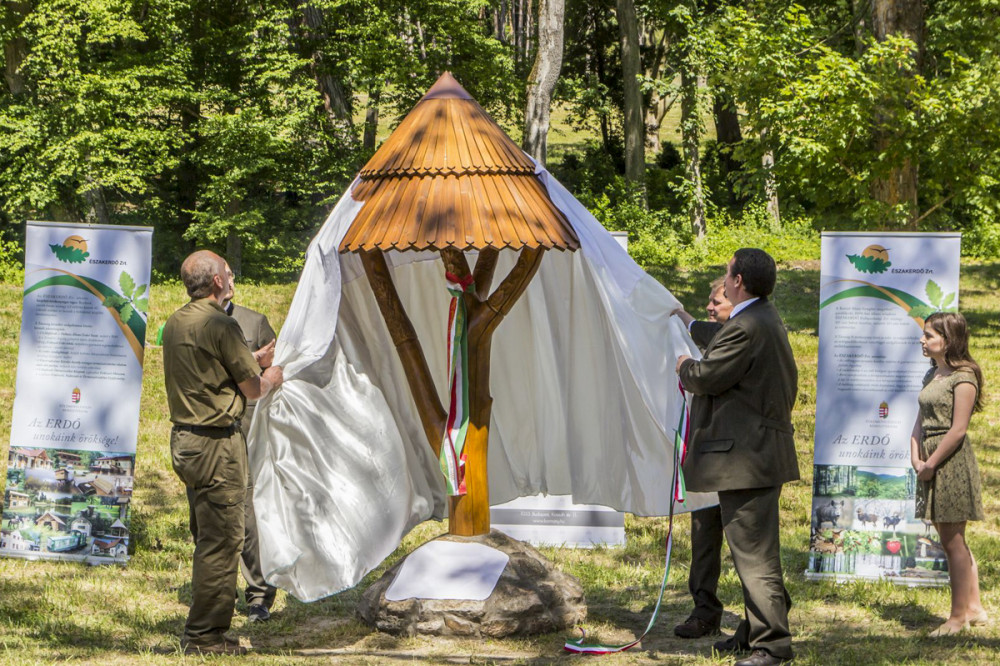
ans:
(655, 237)
(795, 240)
(863, 543)
(870, 487)
(840, 120)
(11, 261)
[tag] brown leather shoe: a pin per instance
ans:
(695, 627)
(227, 646)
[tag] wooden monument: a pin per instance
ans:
(449, 180)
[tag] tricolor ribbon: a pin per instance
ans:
(452, 456)
(678, 494)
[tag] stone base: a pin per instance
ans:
(531, 597)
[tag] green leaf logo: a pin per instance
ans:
(132, 301)
(941, 301)
(873, 259)
(72, 251)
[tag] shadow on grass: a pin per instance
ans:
(859, 645)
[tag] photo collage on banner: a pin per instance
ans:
(876, 289)
(71, 462)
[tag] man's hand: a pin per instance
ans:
(265, 355)
(259, 385)
(271, 378)
(683, 315)
(680, 362)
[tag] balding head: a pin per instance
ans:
(198, 273)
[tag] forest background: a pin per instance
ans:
(236, 125)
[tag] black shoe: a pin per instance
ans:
(761, 658)
(695, 627)
(258, 613)
(730, 646)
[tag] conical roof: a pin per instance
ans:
(449, 176)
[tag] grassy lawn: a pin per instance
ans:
(116, 615)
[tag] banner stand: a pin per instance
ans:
(876, 289)
(71, 463)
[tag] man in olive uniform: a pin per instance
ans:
(209, 374)
(742, 447)
(259, 335)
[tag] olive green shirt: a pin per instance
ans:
(204, 359)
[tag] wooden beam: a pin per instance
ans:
(418, 376)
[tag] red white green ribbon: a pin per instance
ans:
(678, 494)
(452, 456)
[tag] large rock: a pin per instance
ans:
(531, 597)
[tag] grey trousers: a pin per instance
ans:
(257, 590)
(751, 523)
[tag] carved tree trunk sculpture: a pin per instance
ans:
(469, 514)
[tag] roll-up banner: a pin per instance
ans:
(876, 289)
(79, 379)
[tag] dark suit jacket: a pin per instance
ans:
(257, 332)
(742, 425)
(702, 333)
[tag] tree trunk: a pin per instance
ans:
(899, 187)
(635, 127)
(654, 39)
(727, 131)
(336, 101)
(771, 189)
(543, 78)
(690, 138)
(234, 252)
(98, 212)
(15, 48)
(371, 118)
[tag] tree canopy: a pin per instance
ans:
(236, 125)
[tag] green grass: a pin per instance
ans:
(121, 615)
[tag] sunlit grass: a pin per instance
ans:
(123, 615)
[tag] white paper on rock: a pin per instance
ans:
(585, 401)
(448, 570)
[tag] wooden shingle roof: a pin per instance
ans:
(449, 176)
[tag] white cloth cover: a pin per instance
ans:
(586, 401)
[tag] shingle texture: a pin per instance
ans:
(449, 176)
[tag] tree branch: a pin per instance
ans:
(498, 305)
(485, 266)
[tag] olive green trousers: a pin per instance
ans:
(212, 463)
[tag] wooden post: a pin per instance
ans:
(469, 514)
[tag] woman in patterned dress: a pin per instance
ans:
(948, 492)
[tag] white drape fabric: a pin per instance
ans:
(585, 401)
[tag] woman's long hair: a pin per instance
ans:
(953, 328)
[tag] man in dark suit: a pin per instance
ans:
(258, 334)
(706, 524)
(742, 446)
